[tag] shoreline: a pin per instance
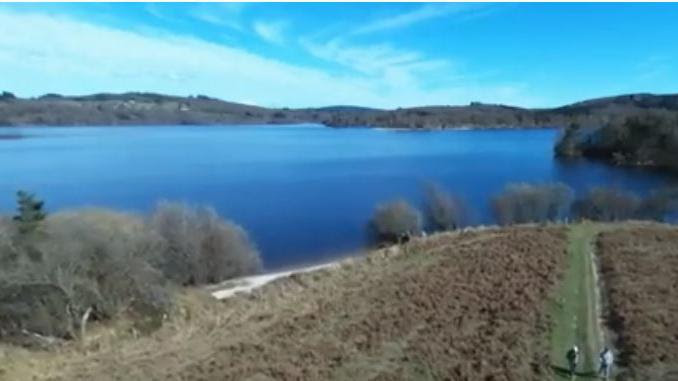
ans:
(247, 284)
(464, 127)
(151, 109)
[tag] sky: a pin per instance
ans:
(383, 55)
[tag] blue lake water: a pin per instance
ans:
(303, 192)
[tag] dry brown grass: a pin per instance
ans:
(463, 306)
(639, 266)
(195, 314)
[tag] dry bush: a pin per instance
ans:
(393, 220)
(658, 204)
(443, 210)
(524, 203)
(610, 204)
(607, 204)
(110, 260)
(8, 251)
(201, 248)
(101, 259)
(115, 263)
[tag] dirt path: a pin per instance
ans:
(576, 314)
(247, 284)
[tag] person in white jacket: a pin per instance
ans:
(606, 360)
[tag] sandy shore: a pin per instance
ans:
(249, 283)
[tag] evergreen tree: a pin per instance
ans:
(30, 212)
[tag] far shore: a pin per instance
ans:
(149, 109)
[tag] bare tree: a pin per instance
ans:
(607, 204)
(524, 203)
(200, 247)
(394, 220)
(443, 210)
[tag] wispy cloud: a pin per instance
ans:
(394, 66)
(392, 69)
(271, 31)
(215, 19)
(46, 53)
(154, 11)
(226, 15)
(423, 13)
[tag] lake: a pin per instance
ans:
(303, 192)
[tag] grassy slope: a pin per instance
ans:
(455, 305)
(575, 316)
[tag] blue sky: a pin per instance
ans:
(315, 54)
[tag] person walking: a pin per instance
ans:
(572, 357)
(606, 360)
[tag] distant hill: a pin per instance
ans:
(158, 109)
(643, 100)
(347, 109)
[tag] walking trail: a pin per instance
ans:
(577, 313)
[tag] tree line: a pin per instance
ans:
(647, 138)
(518, 204)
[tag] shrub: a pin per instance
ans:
(393, 220)
(444, 211)
(607, 204)
(34, 307)
(113, 263)
(100, 259)
(109, 263)
(658, 204)
(525, 203)
(199, 247)
(8, 250)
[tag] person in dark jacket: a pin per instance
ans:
(572, 357)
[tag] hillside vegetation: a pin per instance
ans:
(484, 304)
(639, 267)
(647, 138)
(58, 271)
(463, 306)
(156, 109)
